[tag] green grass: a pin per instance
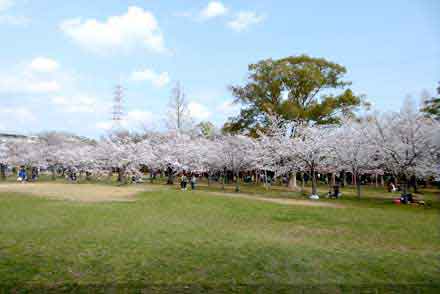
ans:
(174, 238)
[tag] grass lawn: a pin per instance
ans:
(169, 237)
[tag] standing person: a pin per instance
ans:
(183, 182)
(193, 182)
(34, 174)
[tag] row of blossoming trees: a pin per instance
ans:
(403, 144)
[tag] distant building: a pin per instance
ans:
(4, 137)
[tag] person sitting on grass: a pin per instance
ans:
(406, 198)
(335, 193)
(22, 175)
(392, 187)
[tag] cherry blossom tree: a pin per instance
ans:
(277, 153)
(237, 153)
(405, 143)
(354, 151)
(406, 140)
(312, 148)
(122, 153)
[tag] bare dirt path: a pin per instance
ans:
(315, 203)
(103, 193)
(76, 192)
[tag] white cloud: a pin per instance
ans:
(27, 85)
(34, 77)
(44, 87)
(212, 10)
(14, 20)
(44, 64)
(17, 113)
(5, 4)
(244, 20)
(137, 27)
(11, 19)
(136, 118)
(104, 125)
(79, 104)
(228, 108)
(198, 111)
(158, 80)
(132, 120)
(15, 118)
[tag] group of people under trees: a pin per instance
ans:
(23, 175)
(184, 181)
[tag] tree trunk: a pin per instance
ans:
(404, 184)
(237, 182)
(170, 179)
(314, 188)
(353, 179)
(333, 179)
(292, 181)
(358, 185)
(358, 189)
(302, 182)
(3, 171)
(344, 178)
(209, 179)
(415, 184)
(28, 173)
(223, 180)
(151, 176)
(53, 173)
(266, 183)
(121, 175)
(376, 183)
(382, 182)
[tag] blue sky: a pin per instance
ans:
(60, 60)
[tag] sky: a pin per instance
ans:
(61, 60)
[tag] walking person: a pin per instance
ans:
(193, 182)
(34, 174)
(183, 182)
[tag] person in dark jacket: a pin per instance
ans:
(183, 182)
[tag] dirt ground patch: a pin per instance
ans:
(315, 203)
(76, 192)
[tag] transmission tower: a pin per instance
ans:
(117, 112)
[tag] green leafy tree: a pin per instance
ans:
(298, 88)
(432, 106)
(206, 129)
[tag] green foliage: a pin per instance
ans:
(432, 106)
(206, 129)
(296, 88)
